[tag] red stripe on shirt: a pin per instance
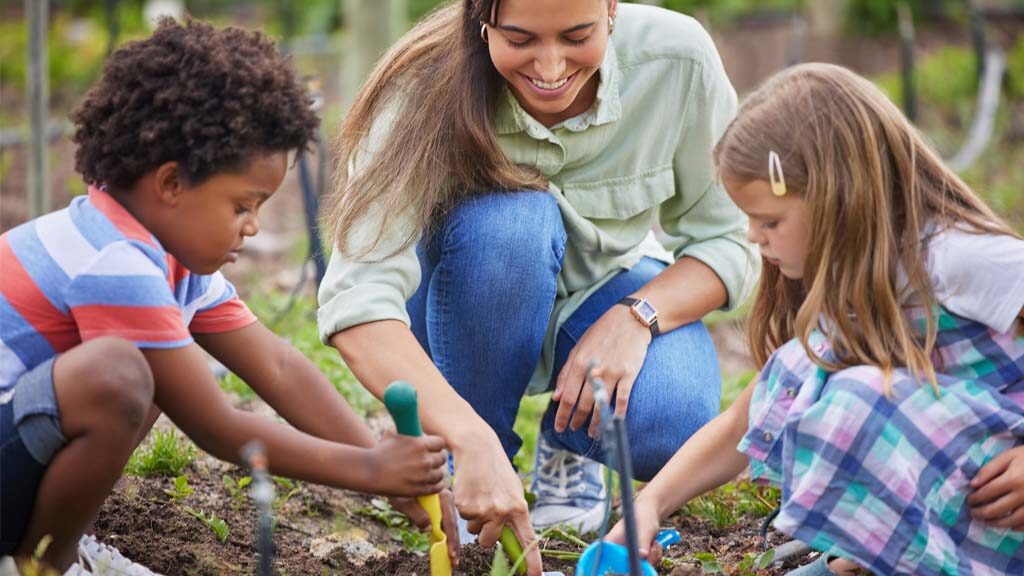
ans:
(30, 303)
(230, 315)
(121, 218)
(175, 272)
(137, 323)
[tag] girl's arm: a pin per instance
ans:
(706, 461)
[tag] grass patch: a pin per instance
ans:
(724, 506)
(167, 455)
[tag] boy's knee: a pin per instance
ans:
(121, 382)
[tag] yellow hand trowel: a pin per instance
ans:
(400, 399)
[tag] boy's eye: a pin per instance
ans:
(241, 209)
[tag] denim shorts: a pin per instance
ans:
(30, 435)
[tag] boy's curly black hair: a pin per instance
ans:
(206, 98)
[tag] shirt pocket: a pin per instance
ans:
(622, 197)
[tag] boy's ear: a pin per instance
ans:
(168, 183)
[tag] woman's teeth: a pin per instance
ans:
(549, 86)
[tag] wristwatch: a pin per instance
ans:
(643, 312)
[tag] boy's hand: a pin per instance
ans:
(409, 465)
(418, 516)
(998, 496)
(647, 527)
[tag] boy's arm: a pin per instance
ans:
(187, 392)
(289, 382)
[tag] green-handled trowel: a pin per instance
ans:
(400, 399)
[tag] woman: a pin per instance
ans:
(500, 174)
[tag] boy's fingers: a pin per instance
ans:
(994, 468)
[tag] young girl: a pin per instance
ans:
(890, 405)
(106, 306)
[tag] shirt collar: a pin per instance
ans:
(512, 118)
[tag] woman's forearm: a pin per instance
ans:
(684, 292)
(708, 459)
(379, 353)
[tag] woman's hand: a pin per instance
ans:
(489, 495)
(647, 527)
(419, 518)
(618, 343)
(998, 496)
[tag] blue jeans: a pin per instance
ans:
(482, 310)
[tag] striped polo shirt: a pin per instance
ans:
(93, 270)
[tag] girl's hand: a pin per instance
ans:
(998, 496)
(618, 343)
(647, 527)
(408, 465)
(418, 516)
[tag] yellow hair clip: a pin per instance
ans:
(777, 180)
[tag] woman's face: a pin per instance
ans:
(549, 52)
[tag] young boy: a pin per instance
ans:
(105, 306)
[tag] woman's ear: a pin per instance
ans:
(168, 184)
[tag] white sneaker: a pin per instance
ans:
(96, 558)
(569, 488)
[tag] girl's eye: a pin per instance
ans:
(770, 225)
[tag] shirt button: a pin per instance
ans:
(791, 392)
(768, 437)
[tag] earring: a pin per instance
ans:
(483, 32)
(611, 24)
(775, 176)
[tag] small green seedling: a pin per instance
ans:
(181, 489)
(236, 488)
(399, 527)
(219, 526)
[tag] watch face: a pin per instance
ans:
(646, 311)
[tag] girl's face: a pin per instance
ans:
(214, 218)
(549, 52)
(777, 224)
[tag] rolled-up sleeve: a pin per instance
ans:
(357, 291)
(706, 223)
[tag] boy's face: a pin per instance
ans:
(777, 224)
(213, 219)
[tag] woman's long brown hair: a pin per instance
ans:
(872, 188)
(437, 91)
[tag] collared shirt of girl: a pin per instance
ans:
(500, 174)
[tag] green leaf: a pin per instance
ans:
(499, 566)
(766, 559)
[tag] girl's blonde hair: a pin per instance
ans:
(441, 146)
(872, 188)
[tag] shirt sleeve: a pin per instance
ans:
(978, 276)
(357, 288)
(218, 307)
(700, 216)
(124, 293)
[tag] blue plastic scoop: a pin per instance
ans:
(602, 558)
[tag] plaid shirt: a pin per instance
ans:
(883, 481)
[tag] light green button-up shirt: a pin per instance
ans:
(641, 152)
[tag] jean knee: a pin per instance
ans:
(509, 227)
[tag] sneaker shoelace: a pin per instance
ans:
(560, 471)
